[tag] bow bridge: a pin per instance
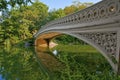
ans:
(98, 25)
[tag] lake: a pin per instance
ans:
(63, 62)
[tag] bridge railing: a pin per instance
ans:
(102, 10)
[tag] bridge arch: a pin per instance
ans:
(46, 37)
(99, 28)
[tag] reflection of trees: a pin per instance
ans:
(19, 64)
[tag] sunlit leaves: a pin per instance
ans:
(76, 6)
(55, 14)
(24, 21)
(70, 9)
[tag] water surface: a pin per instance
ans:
(39, 63)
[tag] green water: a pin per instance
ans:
(29, 63)
(20, 63)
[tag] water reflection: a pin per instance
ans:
(1, 78)
(40, 63)
(49, 59)
(27, 63)
(20, 63)
(55, 52)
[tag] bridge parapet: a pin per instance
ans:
(102, 10)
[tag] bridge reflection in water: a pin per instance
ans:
(49, 60)
(72, 65)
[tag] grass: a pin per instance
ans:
(76, 48)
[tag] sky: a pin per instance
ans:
(63, 3)
(56, 4)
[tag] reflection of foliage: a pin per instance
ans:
(84, 66)
(21, 64)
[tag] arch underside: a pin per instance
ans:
(105, 42)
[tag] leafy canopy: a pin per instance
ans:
(4, 3)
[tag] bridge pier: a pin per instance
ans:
(47, 42)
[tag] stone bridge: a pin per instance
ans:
(98, 25)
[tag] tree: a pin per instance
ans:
(4, 3)
(42, 11)
(70, 9)
(76, 6)
(55, 14)
(23, 22)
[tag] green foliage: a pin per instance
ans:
(4, 3)
(21, 64)
(55, 14)
(75, 48)
(76, 6)
(42, 12)
(83, 63)
(70, 9)
(67, 39)
(23, 22)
